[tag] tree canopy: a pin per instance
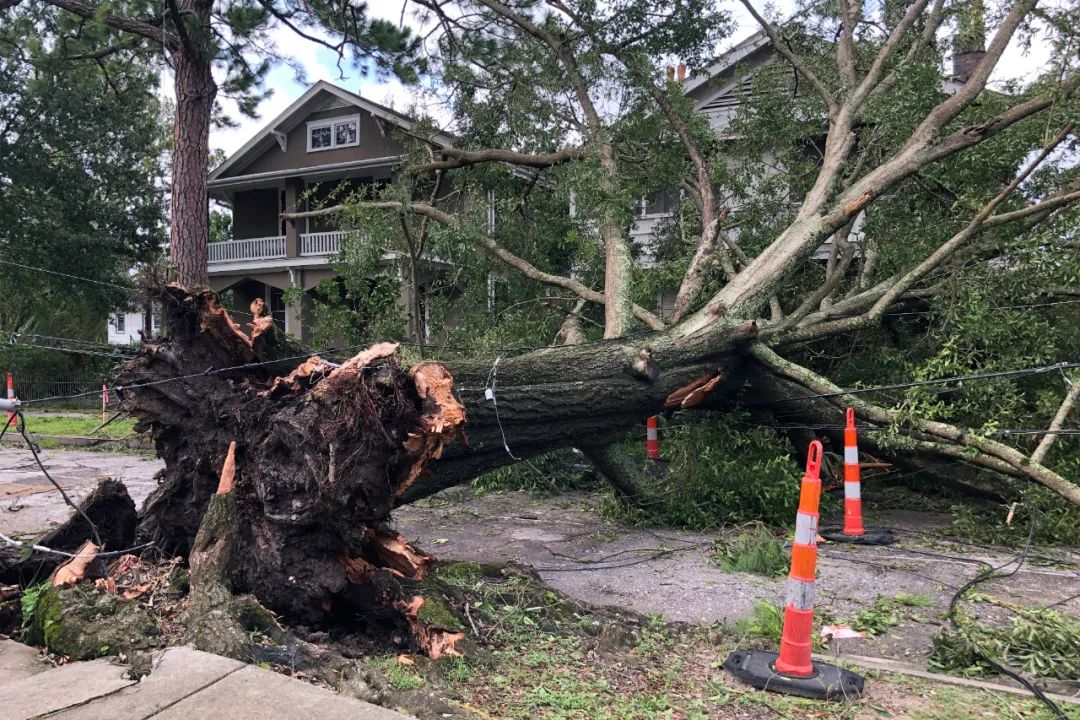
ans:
(83, 146)
(948, 206)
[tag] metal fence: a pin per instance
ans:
(35, 387)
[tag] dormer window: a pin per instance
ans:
(333, 133)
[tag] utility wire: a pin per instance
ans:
(66, 275)
(41, 548)
(75, 351)
(1024, 372)
(874, 428)
(37, 458)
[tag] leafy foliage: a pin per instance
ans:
(723, 471)
(558, 470)
(1055, 522)
(755, 551)
(1038, 641)
(28, 604)
(81, 158)
(888, 612)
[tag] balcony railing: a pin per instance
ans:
(264, 248)
(321, 243)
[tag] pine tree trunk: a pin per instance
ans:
(195, 93)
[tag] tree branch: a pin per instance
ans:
(492, 248)
(132, 25)
(781, 47)
(1058, 421)
(989, 453)
(456, 158)
(970, 230)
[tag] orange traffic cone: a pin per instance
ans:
(652, 439)
(796, 644)
(853, 530)
(792, 671)
(852, 489)
(14, 421)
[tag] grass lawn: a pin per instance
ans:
(45, 424)
(533, 653)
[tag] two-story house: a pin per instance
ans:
(326, 139)
(329, 137)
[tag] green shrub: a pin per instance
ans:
(755, 551)
(723, 470)
(553, 472)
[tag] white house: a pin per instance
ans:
(124, 325)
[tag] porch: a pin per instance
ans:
(321, 245)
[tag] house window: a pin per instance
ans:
(155, 321)
(321, 138)
(333, 133)
(118, 322)
(663, 202)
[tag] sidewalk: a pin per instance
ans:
(183, 683)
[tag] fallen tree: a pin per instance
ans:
(324, 451)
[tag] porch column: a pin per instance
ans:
(294, 324)
(294, 188)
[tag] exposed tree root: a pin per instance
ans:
(109, 508)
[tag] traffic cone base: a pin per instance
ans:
(757, 668)
(870, 536)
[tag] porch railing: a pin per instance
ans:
(321, 243)
(264, 248)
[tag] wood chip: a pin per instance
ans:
(74, 569)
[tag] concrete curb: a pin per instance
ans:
(138, 443)
(895, 666)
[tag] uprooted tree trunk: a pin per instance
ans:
(324, 451)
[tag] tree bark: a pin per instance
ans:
(195, 88)
(325, 451)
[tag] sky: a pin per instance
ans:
(320, 63)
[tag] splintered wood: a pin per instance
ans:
(378, 351)
(228, 471)
(692, 393)
(261, 319)
(216, 321)
(442, 421)
(399, 557)
(310, 370)
(315, 368)
(436, 642)
(74, 569)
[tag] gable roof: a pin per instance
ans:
(293, 115)
(728, 60)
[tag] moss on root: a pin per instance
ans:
(85, 622)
